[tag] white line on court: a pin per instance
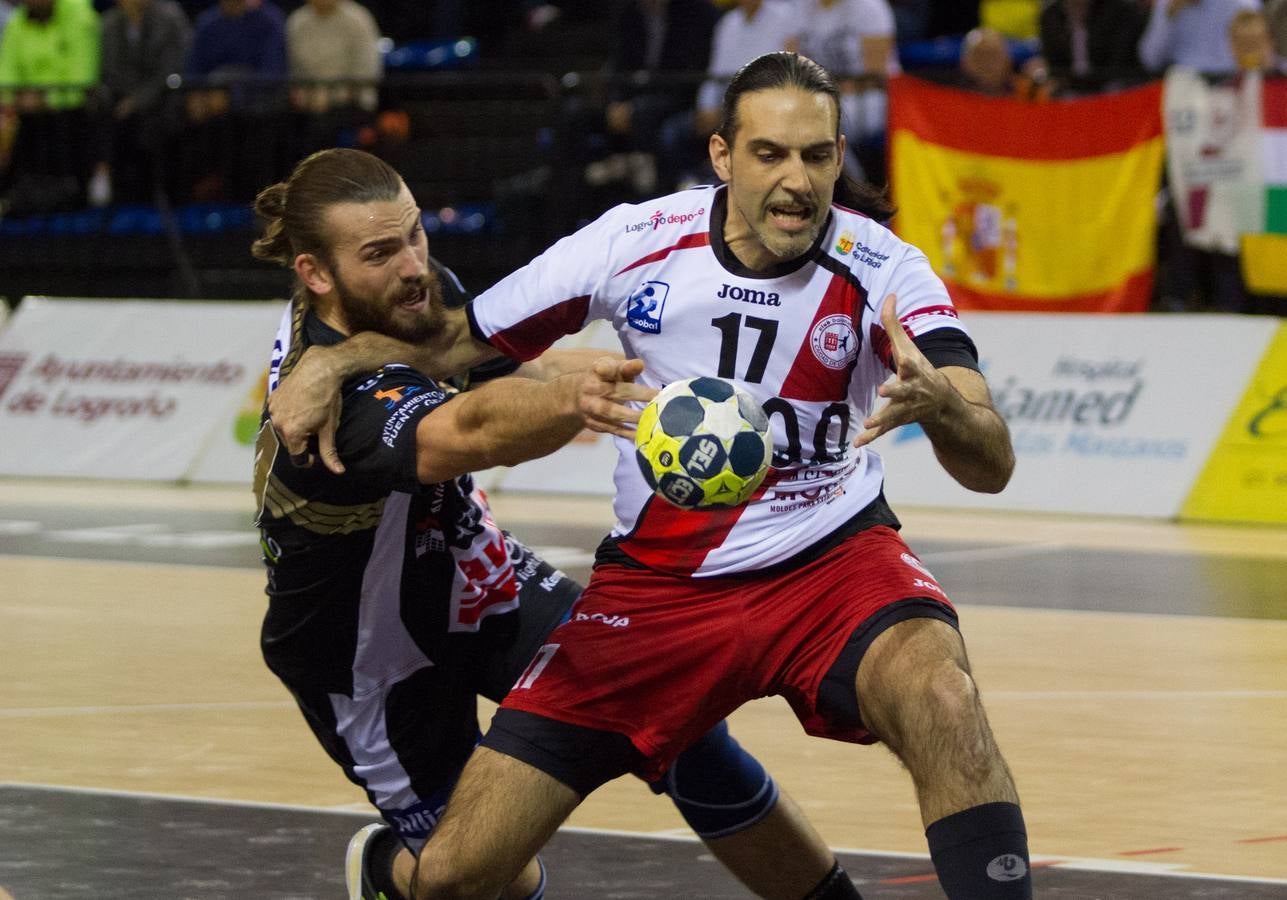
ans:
(1133, 867)
(1006, 551)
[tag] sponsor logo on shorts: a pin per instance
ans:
(645, 305)
(613, 621)
(549, 582)
(834, 341)
(928, 585)
(916, 564)
(1007, 867)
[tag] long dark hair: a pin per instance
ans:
(785, 69)
(293, 210)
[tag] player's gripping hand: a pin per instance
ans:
(307, 403)
(918, 392)
(606, 392)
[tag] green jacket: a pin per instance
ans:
(61, 51)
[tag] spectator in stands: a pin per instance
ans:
(1201, 277)
(1090, 45)
(48, 58)
(1192, 33)
(1251, 43)
(656, 40)
(952, 18)
(335, 41)
(911, 19)
(855, 41)
(237, 66)
(144, 43)
(1276, 12)
(748, 30)
(987, 67)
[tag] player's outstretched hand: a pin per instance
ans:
(307, 403)
(917, 392)
(605, 392)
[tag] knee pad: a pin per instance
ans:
(717, 786)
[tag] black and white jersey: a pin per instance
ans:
(348, 554)
(804, 340)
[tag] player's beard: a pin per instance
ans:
(785, 245)
(387, 315)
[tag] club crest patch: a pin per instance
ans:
(834, 341)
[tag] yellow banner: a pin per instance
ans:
(1044, 229)
(1264, 263)
(1245, 480)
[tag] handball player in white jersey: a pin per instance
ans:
(782, 280)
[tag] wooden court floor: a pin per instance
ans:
(1135, 674)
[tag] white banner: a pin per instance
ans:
(1110, 415)
(137, 389)
(1213, 148)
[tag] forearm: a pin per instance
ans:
(553, 363)
(972, 443)
(501, 423)
(523, 419)
(449, 352)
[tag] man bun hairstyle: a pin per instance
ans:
(783, 69)
(293, 210)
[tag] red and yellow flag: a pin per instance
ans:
(1030, 206)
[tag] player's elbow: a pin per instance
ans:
(993, 478)
(982, 474)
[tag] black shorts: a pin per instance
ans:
(406, 742)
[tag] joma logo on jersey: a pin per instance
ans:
(645, 305)
(749, 295)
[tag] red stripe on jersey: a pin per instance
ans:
(531, 337)
(809, 378)
(880, 340)
(688, 241)
(674, 540)
(924, 311)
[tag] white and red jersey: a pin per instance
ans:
(804, 340)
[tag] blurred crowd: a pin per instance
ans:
(124, 100)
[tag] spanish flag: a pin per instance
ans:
(1264, 254)
(1030, 206)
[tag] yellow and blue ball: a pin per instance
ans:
(703, 443)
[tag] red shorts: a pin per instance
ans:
(662, 659)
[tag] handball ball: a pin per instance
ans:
(702, 443)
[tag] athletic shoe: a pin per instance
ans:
(357, 863)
